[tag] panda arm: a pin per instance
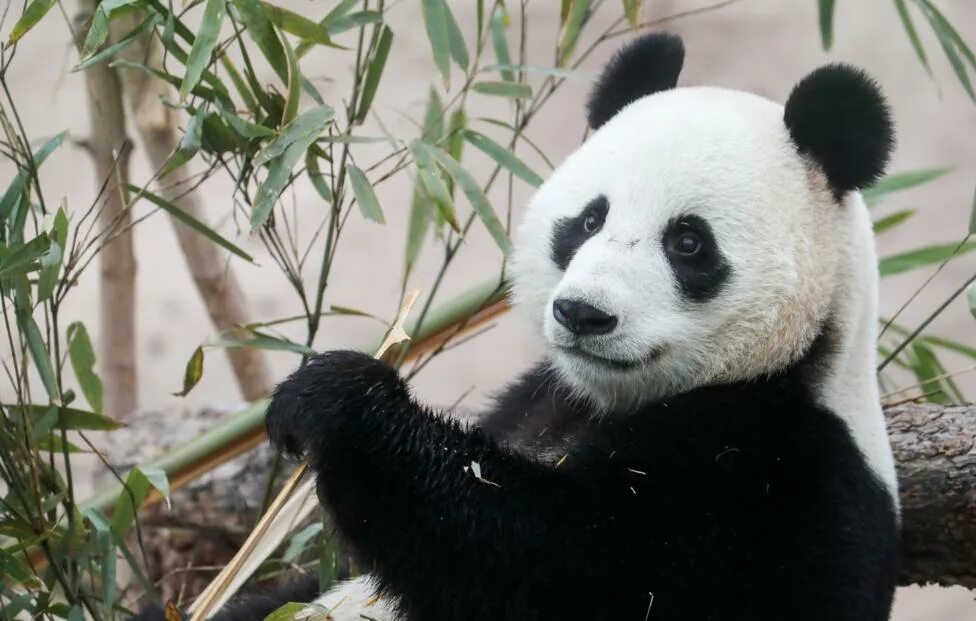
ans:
(401, 483)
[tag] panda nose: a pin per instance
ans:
(582, 319)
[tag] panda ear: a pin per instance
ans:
(838, 117)
(646, 65)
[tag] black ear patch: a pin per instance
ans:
(838, 116)
(646, 65)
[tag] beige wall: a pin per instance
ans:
(760, 45)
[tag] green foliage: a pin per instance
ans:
(268, 132)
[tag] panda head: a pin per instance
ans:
(699, 235)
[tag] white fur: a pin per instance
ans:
(353, 600)
(797, 258)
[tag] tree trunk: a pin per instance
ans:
(215, 281)
(110, 150)
(935, 452)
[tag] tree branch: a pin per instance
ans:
(935, 453)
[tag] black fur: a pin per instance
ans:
(702, 275)
(252, 607)
(838, 117)
(569, 233)
(647, 65)
(730, 502)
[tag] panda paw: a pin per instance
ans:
(332, 398)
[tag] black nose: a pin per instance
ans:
(581, 318)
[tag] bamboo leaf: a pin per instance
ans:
(901, 181)
(504, 89)
(940, 23)
(344, 23)
(98, 31)
(538, 151)
(972, 216)
(339, 20)
(243, 127)
(189, 221)
(632, 10)
(349, 139)
(365, 196)
(262, 32)
(825, 10)
(374, 72)
(557, 72)
(455, 139)
(971, 300)
(34, 12)
(201, 91)
(295, 24)
(952, 44)
(926, 367)
(575, 19)
(38, 352)
(56, 227)
(123, 516)
(420, 212)
(499, 20)
(264, 341)
(476, 197)
(25, 258)
(506, 158)
(892, 220)
(148, 24)
(294, 84)
(312, 122)
(193, 372)
(279, 173)
(203, 46)
(921, 257)
(189, 144)
(435, 21)
(82, 420)
(316, 177)
(286, 612)
(459, 50)
(431, 181)
(15, 190)
(906, 20)
(82, 356)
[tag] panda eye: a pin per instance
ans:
(688, 244)
(591, 223)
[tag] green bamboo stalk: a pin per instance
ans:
(240, 425)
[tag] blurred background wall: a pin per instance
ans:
(763, 46)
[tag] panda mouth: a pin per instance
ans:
(616, 364)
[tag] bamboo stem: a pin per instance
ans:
(109, 148)
(215, 281)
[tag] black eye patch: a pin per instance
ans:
(695, 258)
(571, 233)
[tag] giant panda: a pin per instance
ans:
(703, 273)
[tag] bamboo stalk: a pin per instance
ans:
(245, 430)
(109, 148)
(215, 281)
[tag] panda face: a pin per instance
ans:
(686, 242)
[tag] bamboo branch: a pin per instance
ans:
(215, 281)
(109, 148)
